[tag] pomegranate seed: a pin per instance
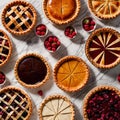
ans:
(40, 92)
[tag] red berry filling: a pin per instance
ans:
(104, 105)
(41, 30)
(2, 77)
(40, 92)
(52, 43)
(118, 77)
(70, 32)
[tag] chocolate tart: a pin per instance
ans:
(5, 48)
(15, 104)
(105, 9)
(32, 70)
(103, 48)
(61, 11)
(19, 17)
(71, 73)
(102, 103)
(56, 107)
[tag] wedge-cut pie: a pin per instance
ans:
(19, 17)
(15, 104)
(61, 11)
(56, 107)
(103, 48)
(5, 48)
(105, 9)
(71, 73)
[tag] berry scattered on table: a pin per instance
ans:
(118, 77)
(2, 77)
(40, 92)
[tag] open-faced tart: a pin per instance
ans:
(61, 11)
(105, 9)
(32, 70)
(15, 104)
(71, 73)
(56, 107)
(103, 48)
(102, 103)
(19, 17)
(5, 48)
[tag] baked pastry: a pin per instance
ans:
(5, 48)
(32, 70)
(56, 107)
(102, 103)
(61, 11)
(71, 73)
(103, 48)
(105, 9)
(19, 17)
(15, 104)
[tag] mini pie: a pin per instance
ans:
(103, 48)
(105, 9)
(32, 70)
(15, 104)
(56, 107)
(19, 17)
(71, 73)
(61, 11)
(102, 103)
(5, 48)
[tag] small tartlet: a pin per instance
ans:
(56, 106)
(32, 70)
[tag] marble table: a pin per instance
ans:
(31, 43)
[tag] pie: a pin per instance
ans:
(103, 48)
(32, 70)
(102, 103)
(5, 48)
(19, 17)
(15, 104)
(105, 9)
(61, 11)
(56, 107)
(71, 73)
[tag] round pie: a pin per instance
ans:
(19, 17)
(61, 11)
(103, 48)
(15, 104)
(105, 9)
(56, 107)
(32, 70)
(5, 48)
(102, 103)
(71, 73)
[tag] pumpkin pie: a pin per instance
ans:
(5, 48)
(71, 73)
(15, 104)
(105, 9)
(56, 107)
(19, 17)
(32, 70)
(61, 11)
(103, 48)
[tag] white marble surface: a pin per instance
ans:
(31, 43)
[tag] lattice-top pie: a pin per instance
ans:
(5, 48)
(56, 107)
(19, 17)
(105, 9)
(103, 48)
(15, 104)
(61, 11)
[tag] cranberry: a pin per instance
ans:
(40, 92)
(118, 77)
(2, 77)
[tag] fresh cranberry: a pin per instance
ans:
(118, 77)
(40, 92)
(2, 77)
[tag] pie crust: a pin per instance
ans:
(15, 104)
(71, 73)
(105, 9)
(61, 11)
(56, 107)
(103, 48)
(32, 70)
(5, 48)
(19, 17)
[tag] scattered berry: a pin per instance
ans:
(118, 77)
(40, 92)
(2, 77)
